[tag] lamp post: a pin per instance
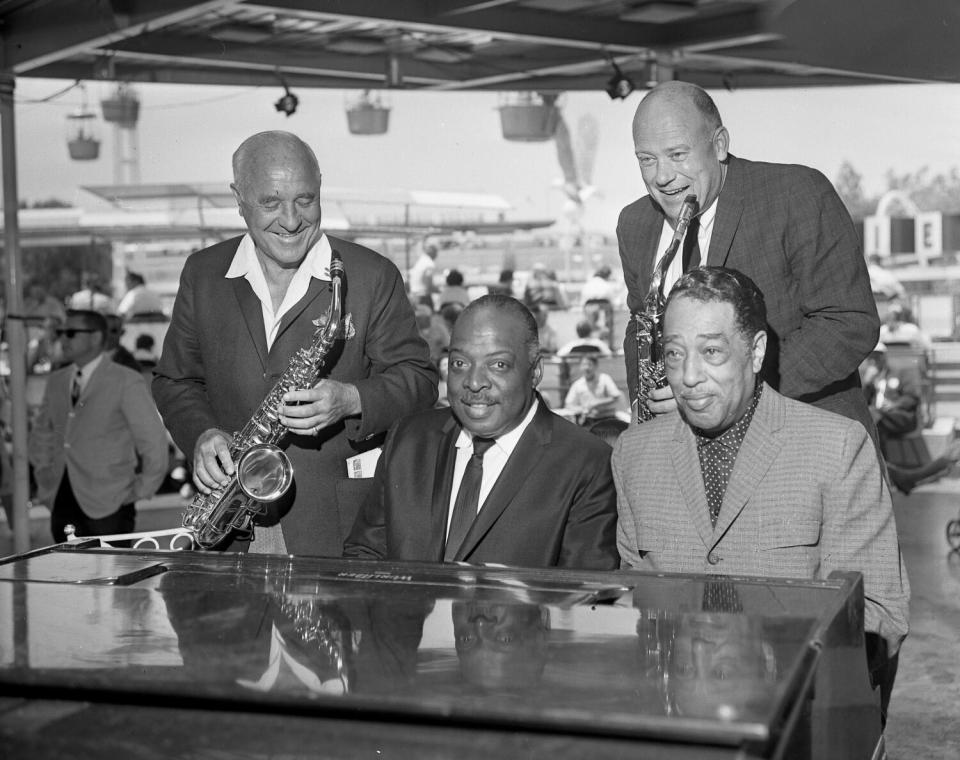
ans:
(16, 332)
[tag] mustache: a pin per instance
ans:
(474, 398)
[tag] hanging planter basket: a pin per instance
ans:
(122, 109)
(529, 122)
(84, 148)
(83, 135)
(368, 119)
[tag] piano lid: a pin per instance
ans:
(627, 654)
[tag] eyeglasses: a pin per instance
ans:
(72, 332)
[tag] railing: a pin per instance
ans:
(172, 539)
(945, 373)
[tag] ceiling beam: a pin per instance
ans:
(743, 74)
(514, 78)
(199, 73)
(171, 50)
(41, 33)
(518, 24)
(166, 49)
(453, 7)
(272, 65)
(573, 30)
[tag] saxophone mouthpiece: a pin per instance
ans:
(336, 265)
(687, 210)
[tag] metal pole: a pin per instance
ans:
(406, 243)
(15, 328)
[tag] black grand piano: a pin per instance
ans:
(180, 654)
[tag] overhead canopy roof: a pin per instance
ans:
(546, 45)
(219, 194)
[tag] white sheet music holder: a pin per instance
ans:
(171, 539)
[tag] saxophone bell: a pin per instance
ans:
(264, 472)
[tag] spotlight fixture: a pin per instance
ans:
(288, 102)
(618, 86)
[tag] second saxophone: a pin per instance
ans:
(649, 319)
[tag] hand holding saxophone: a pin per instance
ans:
(661, 400)
(238, 475)
(308, 411)
(212, 465)
(653, 395)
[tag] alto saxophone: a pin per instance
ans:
(263, 472)
(649, 320)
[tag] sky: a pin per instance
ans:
(452, 141)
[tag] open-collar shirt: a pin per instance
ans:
(246, 264)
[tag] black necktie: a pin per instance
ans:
(468, 499)
(75, 389)
(691, 245)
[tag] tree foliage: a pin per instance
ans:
(849, 185)
(930, 191)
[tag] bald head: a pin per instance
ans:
(679, 96)
(271, 148)
(277, 187)
(681, 145)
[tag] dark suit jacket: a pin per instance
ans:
(897, 415)
(215, 371)
(553, 505)
(785, 227)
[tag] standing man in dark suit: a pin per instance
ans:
(782, 225)
(545, 492)
(246, 306)
(97, 445)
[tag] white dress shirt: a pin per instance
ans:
(81, 375)
(675, 269)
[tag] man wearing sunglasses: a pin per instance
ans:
(98, 444)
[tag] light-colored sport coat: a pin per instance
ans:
(806, 497)
(99, 440)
